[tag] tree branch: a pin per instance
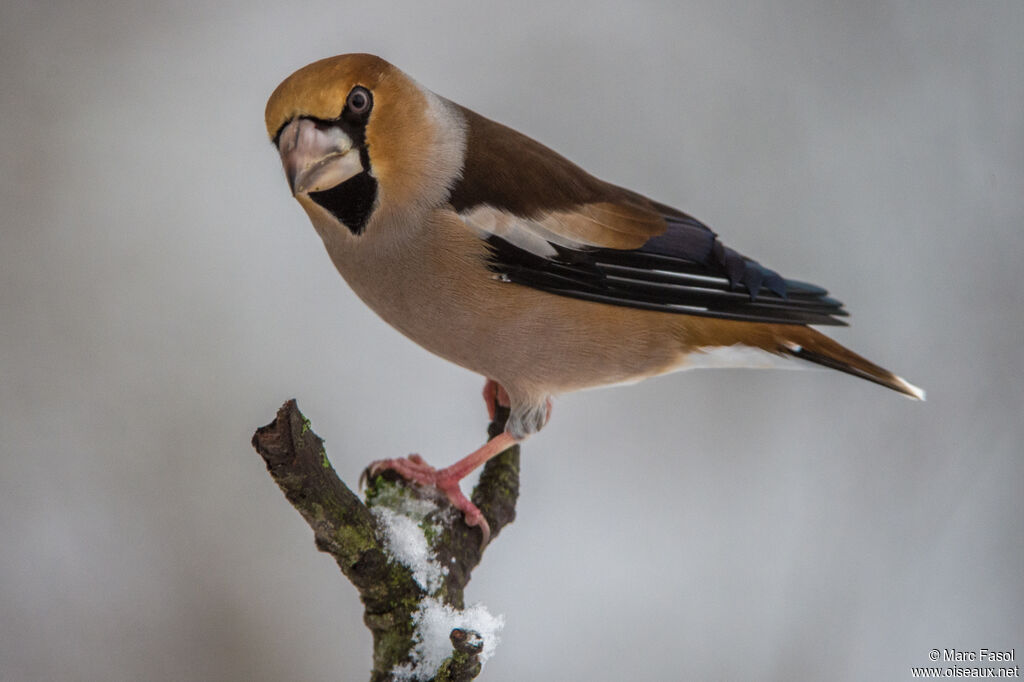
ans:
(360, 541)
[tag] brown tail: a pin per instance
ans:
(813, 346)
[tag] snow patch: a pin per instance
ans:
(406, 542)
(433, 622)
(408, 525)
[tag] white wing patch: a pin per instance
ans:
(487, 221)
(537, 235)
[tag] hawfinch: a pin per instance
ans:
(496, 253)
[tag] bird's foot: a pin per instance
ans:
(414, 468)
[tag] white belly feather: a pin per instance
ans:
(737, 356)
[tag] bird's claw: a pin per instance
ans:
(412, 468)
(477, 519)
(415, 469)
(471, 514)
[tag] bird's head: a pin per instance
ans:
(359, 138)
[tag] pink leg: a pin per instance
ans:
(446, 480)
(494, 393)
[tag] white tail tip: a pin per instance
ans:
(912, 390)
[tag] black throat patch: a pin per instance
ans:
(352, 201)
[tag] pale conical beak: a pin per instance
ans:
(317, 156)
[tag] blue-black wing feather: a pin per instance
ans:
(684, 270)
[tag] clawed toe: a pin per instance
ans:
(413, 468)
(474, 517)
(470, 512)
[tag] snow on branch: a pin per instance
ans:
(406, 550)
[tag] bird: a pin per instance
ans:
(498, 254)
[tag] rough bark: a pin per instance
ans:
(344, 527)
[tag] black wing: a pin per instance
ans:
(684, 270)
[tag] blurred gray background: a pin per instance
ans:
(161, 294)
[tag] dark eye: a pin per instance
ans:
(359, 100)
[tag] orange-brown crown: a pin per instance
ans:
(319, 89)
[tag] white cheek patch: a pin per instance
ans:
(447, 149)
